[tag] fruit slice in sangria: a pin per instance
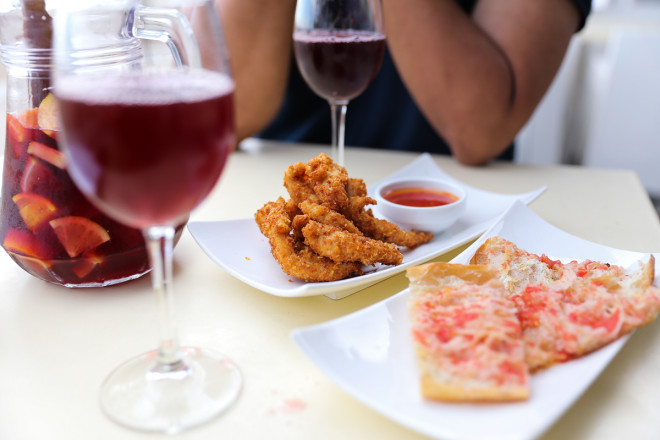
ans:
(34, 209)
(48, 116)
(48, 154)
(78, 234)
(24, 243)
(38, 177)
(50, 229)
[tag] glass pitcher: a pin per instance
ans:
(46, 225)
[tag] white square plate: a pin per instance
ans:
(370, 355)
(239, 247)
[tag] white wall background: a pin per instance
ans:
(603, 110)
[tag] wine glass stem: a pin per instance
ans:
(160, 245)
(338, 110)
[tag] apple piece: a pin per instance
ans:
(39, 178)
(50, 133)
(29, 118)
(23, 242)
(17, 135)
(16, 130)
(86, 265)
(48, 154)
(49, 113)
(35, 266)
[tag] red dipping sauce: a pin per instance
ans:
(420, 197)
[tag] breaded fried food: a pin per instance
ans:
(292, 208)
(340, 245)
(297, 224)
(298, 185)
(298, 261)
(327, 216)
(329, 181)
(379, 229)
(324, 232)
(356, 187)
(320, 181)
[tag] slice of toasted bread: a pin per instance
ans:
(466, 335)
(570, 309)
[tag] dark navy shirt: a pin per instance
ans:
(383, 116)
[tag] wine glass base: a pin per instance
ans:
(138, 396)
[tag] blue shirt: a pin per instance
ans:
(383, 116)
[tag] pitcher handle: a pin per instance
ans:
(171, 27)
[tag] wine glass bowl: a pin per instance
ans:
(339, 48)
(146, 141)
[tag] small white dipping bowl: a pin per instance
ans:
(433, 219)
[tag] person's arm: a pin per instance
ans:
(478, 78)
(258, 34)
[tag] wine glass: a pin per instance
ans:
(339, 47)
(146, 106)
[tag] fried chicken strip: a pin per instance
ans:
(329, 181)
(356, 187)
(275, 224)
(298, 185)
(299, 222)
(327, 216)
(340, 245)
(379, 229)
(323, 232)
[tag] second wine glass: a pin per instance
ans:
(339, 47)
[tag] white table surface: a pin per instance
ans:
(58, 344)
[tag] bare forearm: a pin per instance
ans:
(478, 79)
(258, 34)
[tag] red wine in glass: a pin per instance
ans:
(338, 64)
(339, 47)
(127, 136)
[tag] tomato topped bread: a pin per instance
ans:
(568, 310)
(479, 330)
(517, 268)
(466, 334)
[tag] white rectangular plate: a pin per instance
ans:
(370, 355)
(239, 247)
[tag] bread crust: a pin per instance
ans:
(434, 390)
(441, 274)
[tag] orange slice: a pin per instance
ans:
(34, 208)
(86, 265)
(24, 243)
(29, 118)
(48, 154)
(49, 113)
(78, 234)
(16, 130)
(35, 266)
(17, 135)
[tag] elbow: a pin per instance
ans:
(473, 152)
(471, 159)
(473, 147)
